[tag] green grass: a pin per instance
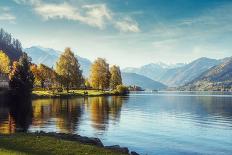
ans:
(47, 93)
(42, 145)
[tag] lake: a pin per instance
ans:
(146, 122)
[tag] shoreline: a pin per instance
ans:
(73, 93)
(92, 142)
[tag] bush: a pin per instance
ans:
(121, 89)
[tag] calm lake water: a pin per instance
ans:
(149, 123)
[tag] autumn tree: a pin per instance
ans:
(21, 77)
(68, 69)
(100, 75)
(43, 74)
(115, 78)
(34, 69)
(4, 63)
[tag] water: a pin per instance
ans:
(149, 123)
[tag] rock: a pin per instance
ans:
(73, 137)
(118, 148)
(134, 153)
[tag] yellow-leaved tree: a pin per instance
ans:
(100, 74)
(4, 63)
(116, 78)
(68, 70)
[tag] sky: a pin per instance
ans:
(129, 33)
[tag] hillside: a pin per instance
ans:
(9, 45)
(182, 75)
(142, 81)
(49, 57)
(153, 70)
(216, 78)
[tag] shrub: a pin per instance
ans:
(121, 89)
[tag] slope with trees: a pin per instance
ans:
(216, 78)
(11, 46)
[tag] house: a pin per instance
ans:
(4, 81)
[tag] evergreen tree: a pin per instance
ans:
(100, 75)
(115, 78)
(68, 69)
(21, 77)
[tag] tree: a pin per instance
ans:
(100, 75)
(21, 77)
(115, 78)
(68, 69)
(4, 63)
(43, 74)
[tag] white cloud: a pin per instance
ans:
(127, 25)
(6, 15)
(95, 15)
(32, 2)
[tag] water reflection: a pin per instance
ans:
(16, 114)
(103, 109)
(172, 123)
(59, 115)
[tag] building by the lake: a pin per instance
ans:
(4, 81)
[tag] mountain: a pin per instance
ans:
(10, 46)
(182, 75)
(142, 81)
(216, 78)
(153, 70)
(49, 57)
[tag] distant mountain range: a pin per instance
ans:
(153, 70)
(218, 77)
(142, 81)
(177, 74)
(49, 57)
(182, 75)
(201, 74)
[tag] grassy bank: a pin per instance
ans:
(48, 93)
(35, 144)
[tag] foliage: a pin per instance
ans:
(36, 144)
(4, 63)
(100, 75)
(115, 78)
(12, 47)
(87, 84)
(68, 68)
(44, 74)
(21, 77)
(123, 90)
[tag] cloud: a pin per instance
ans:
(31, 2)
(6, 15)
(95, 15)
(127, 25)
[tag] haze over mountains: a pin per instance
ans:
(177, 74)
(218, 77)
(49, 57)
(150, 76)
(142, 81)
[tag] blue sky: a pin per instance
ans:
(125, 32)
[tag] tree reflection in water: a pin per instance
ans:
(18, 114)
(60, 114)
